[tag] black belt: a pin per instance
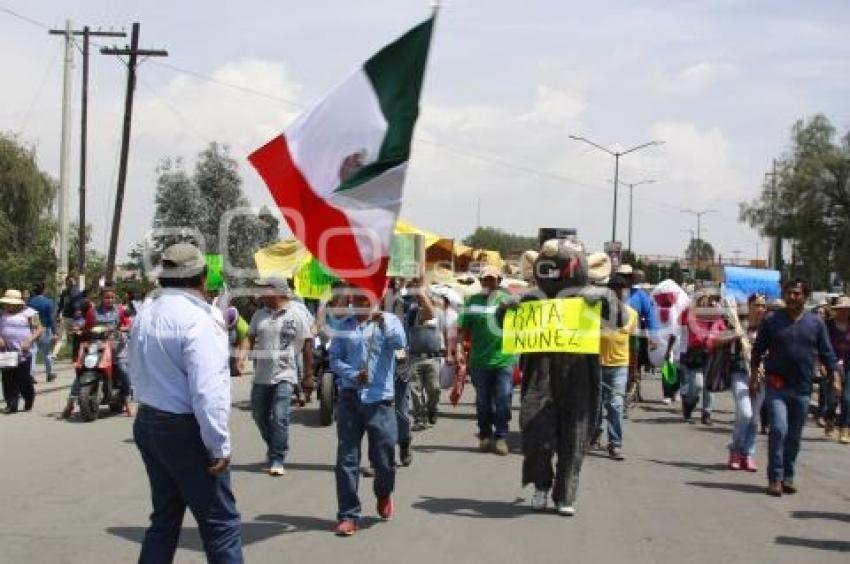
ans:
(143, 407)
(427, 355)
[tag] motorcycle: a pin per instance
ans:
(96, 368)
(326, 384)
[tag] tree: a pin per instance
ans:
(202, 202)
(809, 201)
(26, 229)
(508, 244)
(95, 261)
(699, 250)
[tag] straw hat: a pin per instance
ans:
(598, 268)
(842, 303)
(12, 297)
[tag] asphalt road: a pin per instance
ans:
(77, 492)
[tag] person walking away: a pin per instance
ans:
(825, 414)
(614, 357)
(178, 363)
(363, 358)
(20, 329)
(278, 333)
(639, 300)
(426, 335)
(839, 336)
(789, 341)
(237, 340)
(490, 368)
(696, 327)
(70, 300)
(45, 307)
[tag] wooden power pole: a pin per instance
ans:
(133, 52)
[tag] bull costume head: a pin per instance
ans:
(561, 265)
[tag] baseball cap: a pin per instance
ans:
(277, 283)
(490, 271)
(182, 260)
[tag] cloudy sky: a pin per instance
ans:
(719, 81)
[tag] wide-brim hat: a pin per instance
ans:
(842, 303)
(598, 268)
(12, 297)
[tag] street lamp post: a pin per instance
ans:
(698, 214)
(616, 155)
(631, 186)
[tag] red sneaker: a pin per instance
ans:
(346, 528)
(734, 461)
(385, 507)
(749, 464)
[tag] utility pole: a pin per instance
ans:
(133, 52)
(631, 186)
(65, 154)
(776, 248)
(86, 33)
(699, 245)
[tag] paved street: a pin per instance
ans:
(75, 492)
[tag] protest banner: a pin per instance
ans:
(568, 325)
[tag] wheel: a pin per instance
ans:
(326, 399)
(89, 402)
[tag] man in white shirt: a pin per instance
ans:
(178, 360)
(278, 334)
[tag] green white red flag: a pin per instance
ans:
(338, 172)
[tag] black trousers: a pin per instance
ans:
(17, 382)
(558, 415)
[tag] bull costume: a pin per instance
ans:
(560, 391)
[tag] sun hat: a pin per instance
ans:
(12, 297)
(182, 260)
(598, 268)
(490, 271)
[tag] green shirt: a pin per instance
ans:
(479, 318)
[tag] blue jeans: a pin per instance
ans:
(787, 415)
(693, 387)
(746, 424)
(176, 462)
(270, 407)
(615, 379)
(45, 343)
(353, 420)
(493, 390)
(402, 411)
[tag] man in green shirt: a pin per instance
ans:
(490, 368)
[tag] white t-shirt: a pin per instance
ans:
(278, 340)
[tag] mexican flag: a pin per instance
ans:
(337, 173)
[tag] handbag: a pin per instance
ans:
(718, 369)
(447, 375)
(9, 359)
(669, 373)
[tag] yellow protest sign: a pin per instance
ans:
(566, 325)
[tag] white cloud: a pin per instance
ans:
(697, 77)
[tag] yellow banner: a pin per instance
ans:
(567, 325)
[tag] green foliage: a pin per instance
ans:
(26, 228)
(201, 202)
(810, 203)
(701, 250)
(493, 238)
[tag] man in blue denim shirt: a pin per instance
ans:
(363, 358)
(792, 339)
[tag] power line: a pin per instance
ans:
(24, 18)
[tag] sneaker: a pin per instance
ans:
(774, 489)
(564, 509)
(687, 409)
(829, 430)
(615, 452)
(485, 444)
(418, 426)
(277, 469)
(539, 499)
(789, 487)
(844, 436)
(432, 418)
(404, 455)
(667, 401)
(734, 461)
(51, 377)
(385, 507)
(749, 464)
(821, 422)
(346, 528)
(706, 419)
(501, 447)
